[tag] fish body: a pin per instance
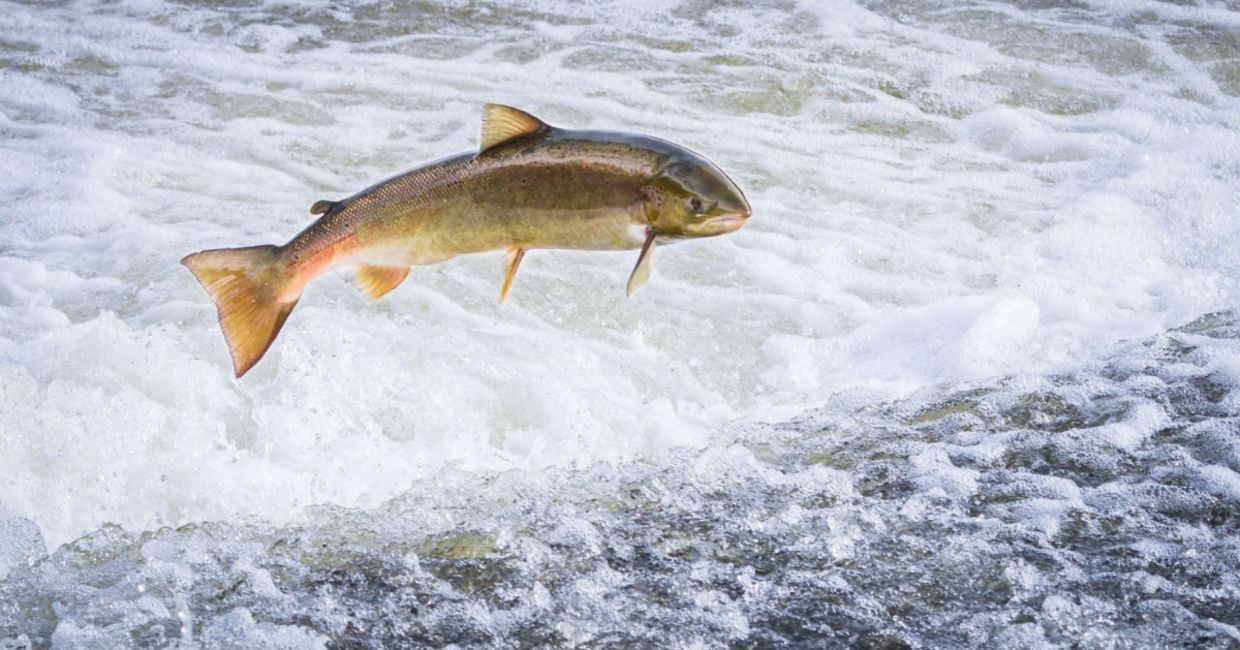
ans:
(530, 186)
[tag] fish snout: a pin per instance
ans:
(739, 208)
(733, 217)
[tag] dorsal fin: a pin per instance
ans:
(503, 123)
(323, 206)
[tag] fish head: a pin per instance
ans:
(690, 197)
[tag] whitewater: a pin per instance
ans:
(969, 376)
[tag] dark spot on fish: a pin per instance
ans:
(654, 195)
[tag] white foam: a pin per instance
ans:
(237, 629)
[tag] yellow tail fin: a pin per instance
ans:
(246, 285)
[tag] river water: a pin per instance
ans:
(968, 377)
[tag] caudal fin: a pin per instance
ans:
(247, 286)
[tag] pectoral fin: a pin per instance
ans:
(641, 272)
(510, 269)
(374, 281)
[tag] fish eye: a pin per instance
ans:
(695, 204)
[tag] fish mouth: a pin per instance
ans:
(730, 220)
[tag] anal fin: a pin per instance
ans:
(511, 262)
(375, 281)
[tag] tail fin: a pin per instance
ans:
(246, 285)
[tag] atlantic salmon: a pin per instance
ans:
(529, 186)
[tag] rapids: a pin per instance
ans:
(968, 377)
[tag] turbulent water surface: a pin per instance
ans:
(968, 377)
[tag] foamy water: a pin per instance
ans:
(950, 202)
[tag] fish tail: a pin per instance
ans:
(251, 290)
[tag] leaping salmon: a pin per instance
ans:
(530, 185)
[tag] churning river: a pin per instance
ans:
(968, 377)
